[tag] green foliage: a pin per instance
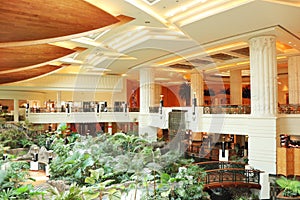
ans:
(104, 165)
(74, 193)
(11, 178)
(15, 138)
(291, 187)
(187, 184)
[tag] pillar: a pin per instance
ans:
(58, 99)
(16, 110)
(236, 87)
(197, 87)
(109, 128)
(147, 94)
(158, 92)
(263, 70)
(146, 89)
(262, 123)
(294, 79)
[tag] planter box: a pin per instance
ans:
(281, 197)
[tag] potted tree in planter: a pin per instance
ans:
(290, 188)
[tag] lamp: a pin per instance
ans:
(223, 146)
(194, 103)
(161, 103)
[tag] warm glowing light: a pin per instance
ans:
(208, 51)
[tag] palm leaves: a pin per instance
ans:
(185, 93)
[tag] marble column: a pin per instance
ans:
(146, 89)
(197, 87)
(263, 70)
(58, 100)
(294, 79)
(147, 99)
(236, 87)
(16, 110)
(262, 121)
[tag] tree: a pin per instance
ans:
(185, 93)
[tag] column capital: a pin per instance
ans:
(263, 40)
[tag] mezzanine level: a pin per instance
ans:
(219, 119)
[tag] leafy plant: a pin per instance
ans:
(291, 187)
(100, 188)
(74, 193)
(11, 180)
(187, 184)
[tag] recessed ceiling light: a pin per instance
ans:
(151, 2)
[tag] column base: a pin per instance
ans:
(34, 166)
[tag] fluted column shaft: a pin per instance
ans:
(263, 69)
(294, 79)
(146, 89)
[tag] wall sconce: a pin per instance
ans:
(223, 146)
(194, 103)
(161, 103)
(97, 107)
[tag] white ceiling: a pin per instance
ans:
(169, 32)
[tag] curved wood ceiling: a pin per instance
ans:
(12, 58)
(32, 20)
(27, 73)
(27, 26)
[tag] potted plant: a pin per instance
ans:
(290, 188)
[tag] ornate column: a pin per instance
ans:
(236, 87)
(294, 79)
(262, 121)
(146, 89)
(197, 87)
(147, 95)
(263, 70)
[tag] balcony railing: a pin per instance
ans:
(289, 109)
(219, 109)
(80, 109)
(227, 109)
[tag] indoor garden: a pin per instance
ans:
(111, 167)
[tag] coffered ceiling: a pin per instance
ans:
(119, 37)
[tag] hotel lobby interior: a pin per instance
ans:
(214, 75)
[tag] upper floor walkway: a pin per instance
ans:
(215, 119)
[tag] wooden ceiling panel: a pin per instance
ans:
(17, 57)
(29, 20)
(26, 74)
